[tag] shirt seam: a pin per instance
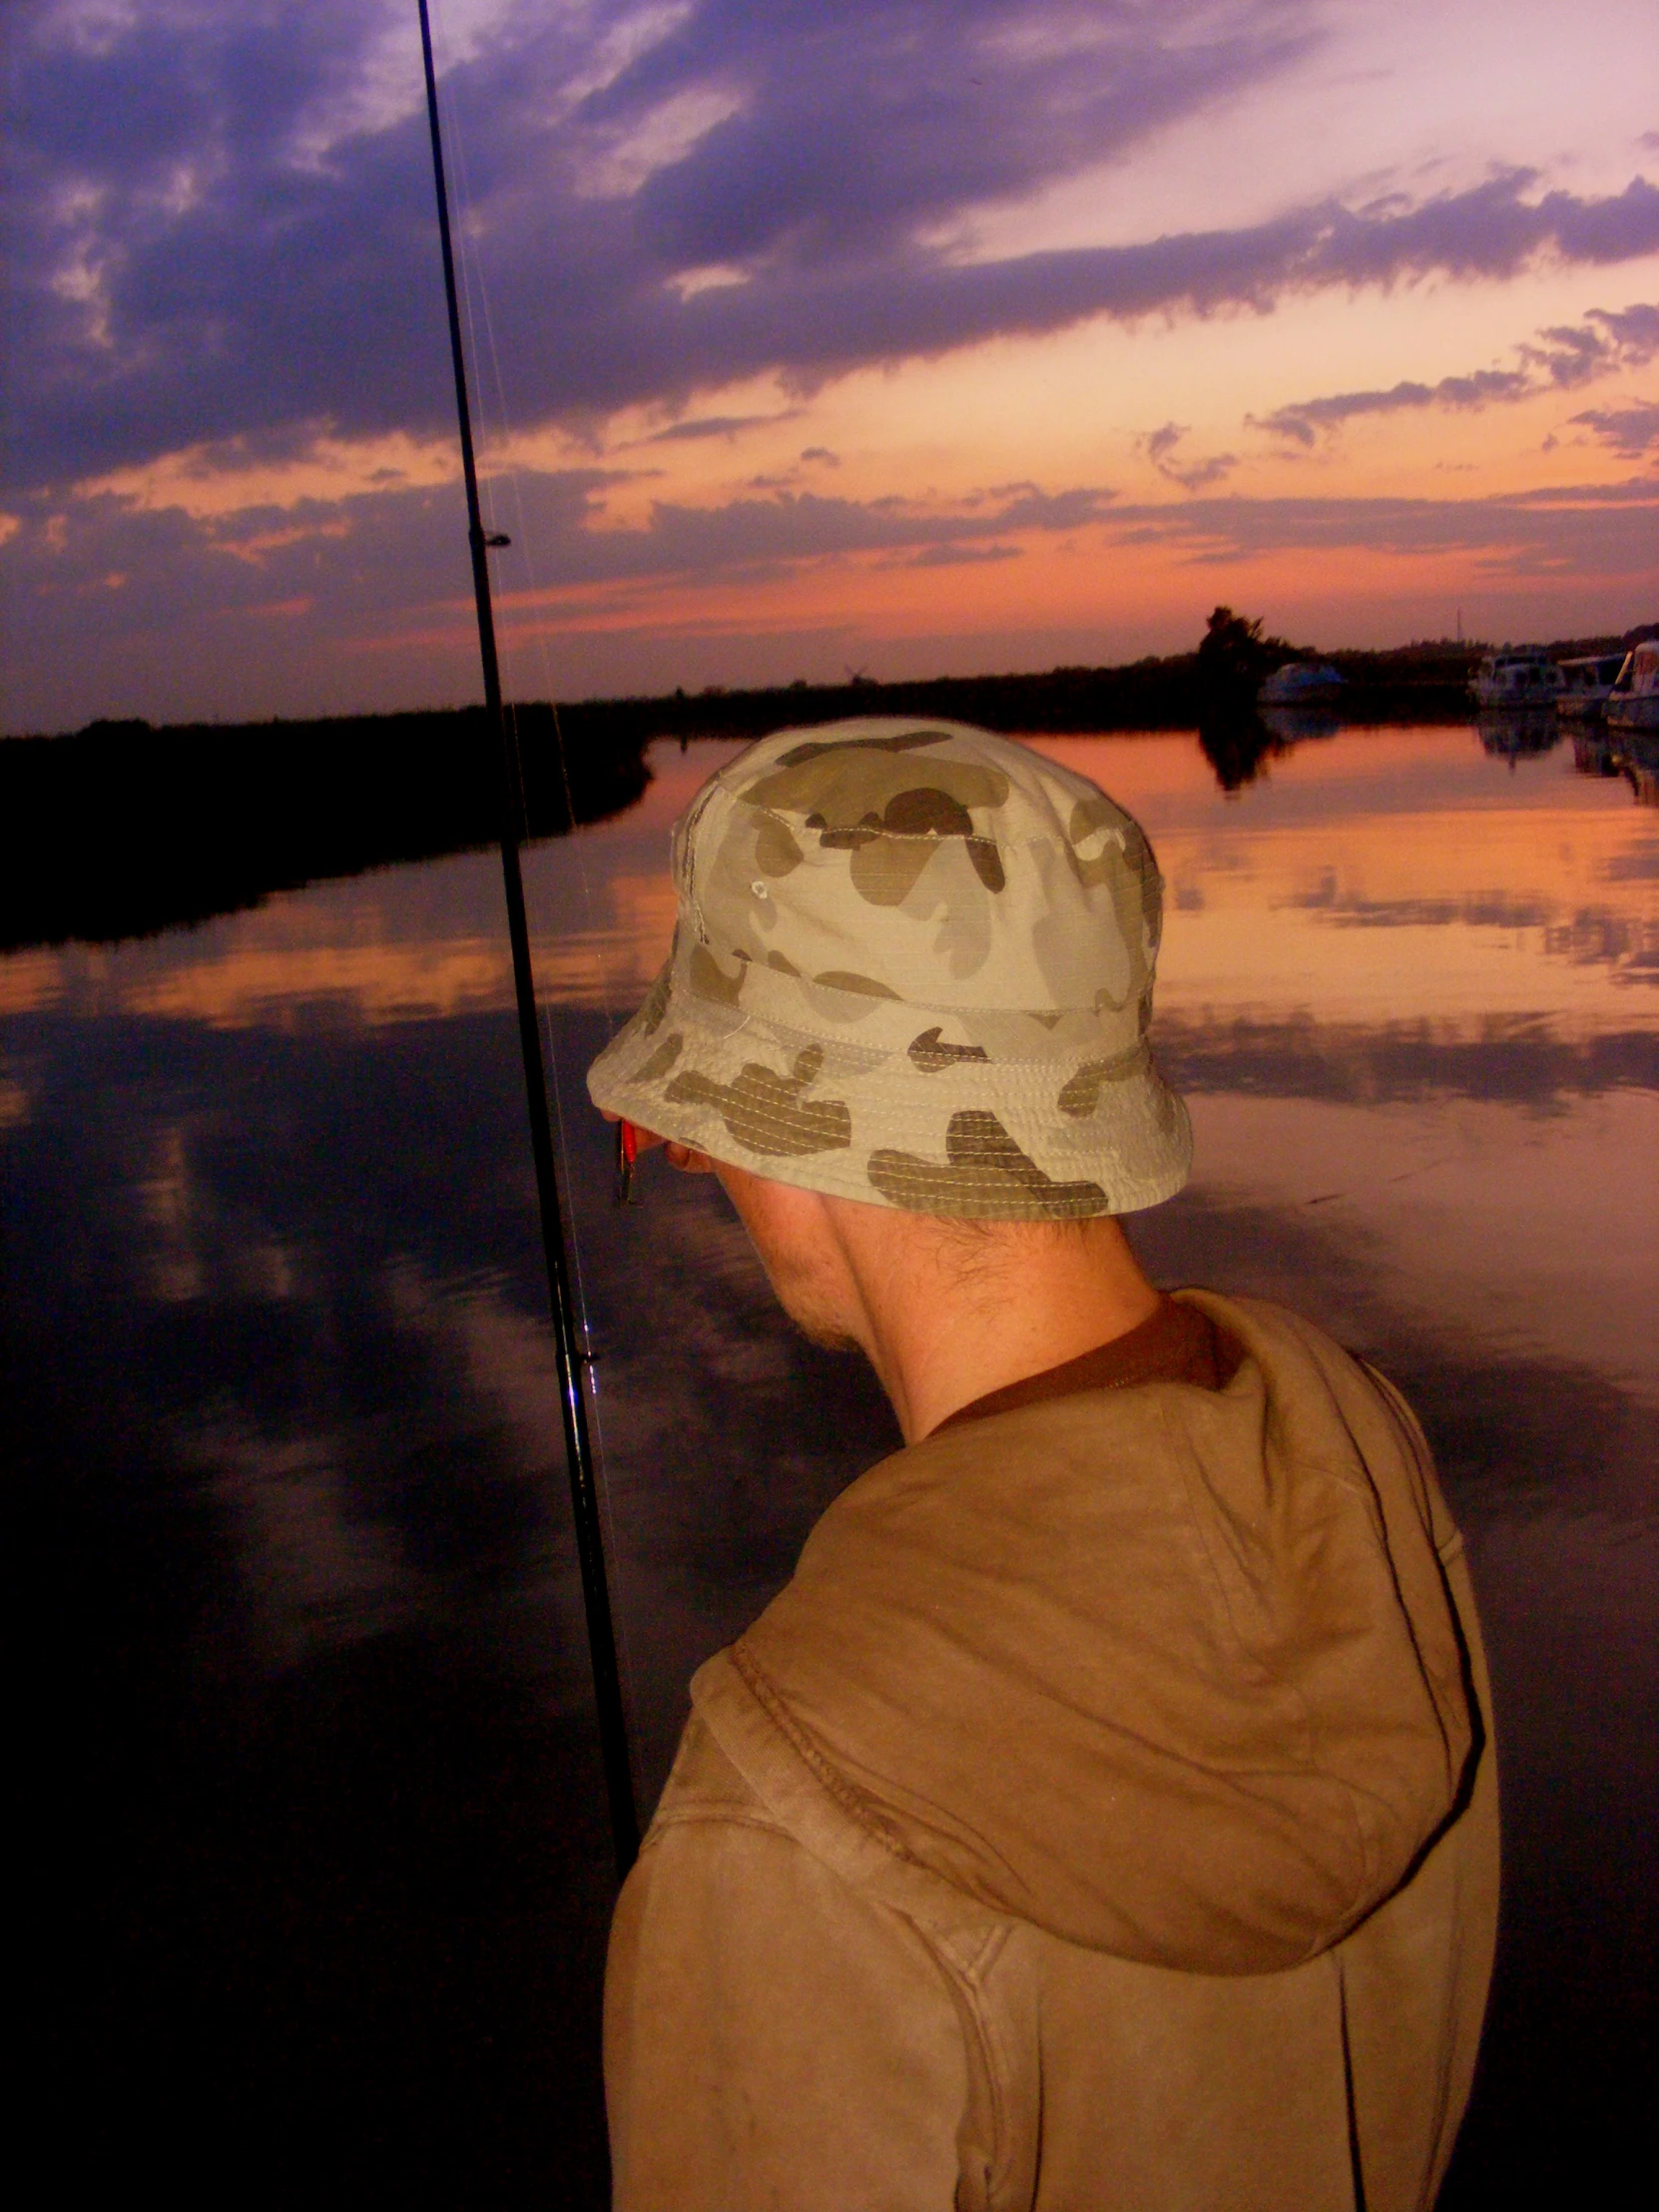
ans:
(829, 1778)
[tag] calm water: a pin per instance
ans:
(316, 1858)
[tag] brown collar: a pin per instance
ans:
(1175, 1343)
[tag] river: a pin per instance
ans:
(312, 1815)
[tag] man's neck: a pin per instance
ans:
(945, 1317)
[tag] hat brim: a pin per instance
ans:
(1062, 1137)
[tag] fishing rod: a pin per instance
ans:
(584, 1495)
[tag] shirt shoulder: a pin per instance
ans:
(756, 2004)
(704, 1785)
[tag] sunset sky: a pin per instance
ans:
(815, 335)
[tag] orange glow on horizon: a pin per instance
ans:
(1356, 915)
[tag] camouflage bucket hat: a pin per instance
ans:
(914, 963)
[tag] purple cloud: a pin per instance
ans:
(1195, 475)
(1631, 431)
(402, 549)
(962, 556)
(1573, 530)
(197, 250)
(151, 608)
(203, 249)
(714, 427)
(1572, 354)
(1563, 356)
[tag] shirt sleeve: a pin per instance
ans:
(772, 2037)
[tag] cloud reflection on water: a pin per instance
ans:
(276, 1303)
(1542, 906)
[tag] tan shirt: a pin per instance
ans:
(1175, 1343)
(1105, 1816)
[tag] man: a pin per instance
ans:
(1105, 1814)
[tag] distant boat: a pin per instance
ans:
(1301, 684)
(1517, 676)
(1585, 685)
(1633, 702)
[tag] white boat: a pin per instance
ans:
(1585, 685)
(1301, 684)
(1517, 676)
(1633, 702)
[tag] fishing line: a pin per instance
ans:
(475, 291)
(467, 260)
(574, 1394)
(475, 294)
(475, 288)
(475, 282)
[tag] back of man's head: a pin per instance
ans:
(912, 965)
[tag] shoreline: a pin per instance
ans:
(122, 830)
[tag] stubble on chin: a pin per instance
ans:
(801, 1273)
(805, 1304)
(824, 1334)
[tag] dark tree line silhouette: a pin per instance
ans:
(122, 830)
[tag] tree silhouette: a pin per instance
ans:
(1233, 659)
